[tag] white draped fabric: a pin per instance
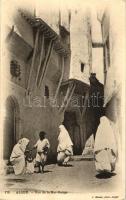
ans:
(105, 137)
(64, 149)
(17, 157)
(105, 148)
(64, 139)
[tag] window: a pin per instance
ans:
(15, 69)
(46, 91)
(82, 67)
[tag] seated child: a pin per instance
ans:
(29, 163)
(42, 146)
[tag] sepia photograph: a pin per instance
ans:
(62, 105)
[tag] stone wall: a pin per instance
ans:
(36, 112)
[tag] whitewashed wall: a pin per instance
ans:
(48, 12)
(117, 53)
(79, 45)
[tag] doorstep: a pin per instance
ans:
(83, 157)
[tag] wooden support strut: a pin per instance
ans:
(85, 103)
(90, 55)
(66, 96)
(47, 33)
(33, 58)
(40, 60)
(71, 94)
(60, 81)
(46, 61)
(10, 34)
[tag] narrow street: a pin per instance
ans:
(80, 177)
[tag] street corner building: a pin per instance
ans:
(51, 77)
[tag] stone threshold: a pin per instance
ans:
(83, 158)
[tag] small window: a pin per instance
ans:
(46, 91)
(82, 67)
(15, 69)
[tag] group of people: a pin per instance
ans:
(22, 159)
(105, 150)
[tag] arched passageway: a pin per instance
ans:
(11, 126)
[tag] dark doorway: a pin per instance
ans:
(73, 128)
(10, 127)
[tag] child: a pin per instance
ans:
(42, 146)
(29, 163)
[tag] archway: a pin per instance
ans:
(73, 128)
(11, 126)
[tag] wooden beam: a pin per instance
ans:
(54, 38)
(47, 35)
(43, 29)
(60, 81)
(70, 86)
(10, 34)
(59, 50)
(46, 61)
(71, 94)
(33, 58)
(85, 103)
(40, 60)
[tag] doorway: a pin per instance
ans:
(10, 126)
(73, 128)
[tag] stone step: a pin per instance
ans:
(83, 158)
